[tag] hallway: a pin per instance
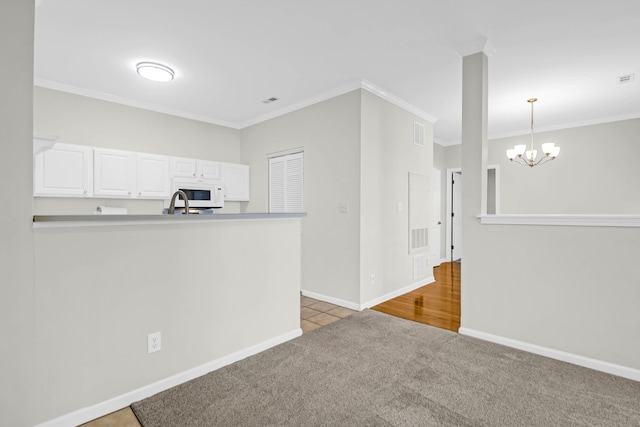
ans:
(436, 304)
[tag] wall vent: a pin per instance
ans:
(418, 134)
(419, 238)
(419, 266)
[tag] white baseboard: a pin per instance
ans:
(359, 307)
(96, 411)
(332, 300)
(598, 365)
(412, 287)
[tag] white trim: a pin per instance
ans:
(483, 45)
(540, 130)
(570, 125)
(96, 411)
(622, 220)
(63, 87)
(447, 220)
(412, 287)
(285, 152)
(332, 300)
(376, 90)
(331, 93)
(359, 307)
(598, 365)
(496, 168)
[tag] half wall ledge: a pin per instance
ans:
(583, 220)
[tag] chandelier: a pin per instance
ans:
(530, 158)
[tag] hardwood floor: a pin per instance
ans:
(437, 304)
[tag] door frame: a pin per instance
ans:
(447, 247)
(449, 196)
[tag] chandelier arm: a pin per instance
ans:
(519, 160)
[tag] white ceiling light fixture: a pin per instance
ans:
(531, 158)
(154, 71)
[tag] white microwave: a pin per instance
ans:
(202, 193)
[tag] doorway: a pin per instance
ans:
(453, 235)
(453, 245)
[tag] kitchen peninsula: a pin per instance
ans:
(205, 282)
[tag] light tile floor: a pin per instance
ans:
(313, 315)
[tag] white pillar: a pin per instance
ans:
(17, 300)
(474, 160)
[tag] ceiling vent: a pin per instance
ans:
(270, 100)
(627, 78)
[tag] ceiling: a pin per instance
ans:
(231, 55)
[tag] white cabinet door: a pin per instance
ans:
(208, 170)
(114, 173)
(182, 167)
(152, 176)
(64, 171)
(193, 168)
(236, 182)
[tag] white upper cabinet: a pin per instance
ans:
(181, 167)
(114, 173)
(68, 170)
(64, 170)
(236, 182)
(192, 168)
(152, 176)
(208, 169)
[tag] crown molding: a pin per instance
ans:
(480, 45)
(323, 96)
(570, 125)
(331, 93)
(376, 90)
(63, 87)
(340, 90)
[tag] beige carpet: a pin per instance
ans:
(371, 369)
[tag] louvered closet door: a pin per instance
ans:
(286, 183)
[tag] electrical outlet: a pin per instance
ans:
(154, 342)
(373, 279)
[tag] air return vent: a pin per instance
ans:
(418, 134)
(419, 237)
(419, 266)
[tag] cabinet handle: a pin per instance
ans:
(85, 192)
(139, 194)
(129, 193)
(194, 174)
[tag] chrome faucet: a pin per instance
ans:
(172, 206)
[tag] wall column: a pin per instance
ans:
(474, 161)
(17, 322)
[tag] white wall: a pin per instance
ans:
(596, 171)
(101, 290)
(565, 289)
(86, 121)
(573, 289)
(16, 244)
(388, 155)
(330, 134)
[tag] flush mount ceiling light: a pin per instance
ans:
(530, 156)
(154, 71)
